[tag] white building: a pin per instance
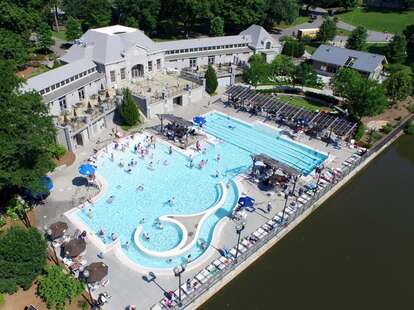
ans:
(115, 57)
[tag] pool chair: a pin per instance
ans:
(212, 269)
(226, 260)
(206, 273)
(271, 223)
(201, 278)
(183, 294)
(247, 244)
(301, 200)
(219, 265)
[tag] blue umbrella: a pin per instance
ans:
(47, 185)
(246, 201)
(199, 120)
(87, 169)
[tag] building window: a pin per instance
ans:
(42, 91)
(268, 45)
(62, 103)
(149, 66)
(159, 64)
(123, 74)
(193, 62)
(112, 74)
(47, 89)
(211, 60)
(81, 93)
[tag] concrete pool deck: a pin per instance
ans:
(126, 285)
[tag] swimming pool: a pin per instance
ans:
(194, 190)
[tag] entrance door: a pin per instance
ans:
(178, 100)
(137, 71)
(79, 140)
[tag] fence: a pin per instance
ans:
(242, 257)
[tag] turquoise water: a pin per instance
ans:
(194, 189)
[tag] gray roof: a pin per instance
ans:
(69, 88)
(259, 37)
(202, 42)
(108, 44)
(207, 53)
(57, 75)
(367, 62)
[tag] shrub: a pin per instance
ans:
(83, 304)
(22, 257)
(2, 221)
(2, 299)
(327, 98)
(360, 131)
(57, 150)
(411, 108)
(387, 128)
(57, 288)
(293, 48)
(211, 80)
(128, 109)
(409, 128)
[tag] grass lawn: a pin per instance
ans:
(37, 71)
(59, 35)
(342, 32)
(298, 21)
(384, 21)
(303, 102)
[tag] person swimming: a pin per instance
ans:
(140, 188)
(146, 236)
(110, 199)
(142, 221)
(166, 163)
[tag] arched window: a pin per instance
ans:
(268, 45)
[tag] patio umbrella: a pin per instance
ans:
(47, 185)
(87, 169)
(57, 230)
(95, 272)
(246, 201)
(259, 163)
(199, 120)
(74, 247)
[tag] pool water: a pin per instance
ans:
(194, 189)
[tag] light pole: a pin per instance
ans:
(319, 172)
(284, 208)
(178, 270)
(239, 228)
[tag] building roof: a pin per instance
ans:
(108, 44)
(57, 75)
(259, 36)
(202, 42)
(362, 61)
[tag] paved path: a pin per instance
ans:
(57, 47)
(373, 36)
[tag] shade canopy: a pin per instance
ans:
(97, 271)
(46, 184)
(74, 247)
(87, 169)
(246, 201)
(57, 230)
(199, 120)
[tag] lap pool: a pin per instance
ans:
(194, 190)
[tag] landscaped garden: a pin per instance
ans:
(385, 21)
(304, 103)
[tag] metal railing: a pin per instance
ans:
(276, 232)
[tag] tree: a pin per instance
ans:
(13, 48)
(73, 29)
(293, 48)
(26, 134)
(327, 31)
(94, 13)
(399, 85)
(397, 49)
(23, 254)
(217, 26)
(357, 39)
(282, 66)
(278, 11)
(57, 288)
(44, 36)
(211, 80)
(128, 109)
(305, 75)
(141, 14)
(363, 97)
(409, 35)
(348, 4)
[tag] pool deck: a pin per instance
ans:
(128, 285)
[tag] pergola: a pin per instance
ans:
(276, 165)
(180, 126)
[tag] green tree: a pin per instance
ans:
(399, 85)
(357, 40)
(57, 288)
(211, 80)
(141, 14)
(23, 254)
(217, 26)
(327, 31)
(397, 49)
(128, 109)
(258, 70)
(282, 66)
(44, 36)
(73, 29)
(13, 48)
(26, 134)
(305, 75)
(348, 4)
(363, 97)
(279, 11)
(409, 35)
(293, 48)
